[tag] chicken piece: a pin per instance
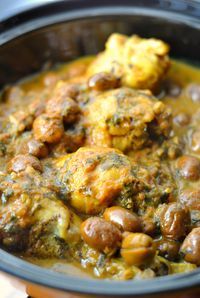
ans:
(34, 220)
(126, 119)
(55, 231)
(14, 221)
(91, 178)
(139, 63)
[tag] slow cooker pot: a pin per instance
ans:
(38, 34)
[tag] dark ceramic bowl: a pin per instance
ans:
(49, 32)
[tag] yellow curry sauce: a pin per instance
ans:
(100, 164)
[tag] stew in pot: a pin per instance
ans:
(100, 164)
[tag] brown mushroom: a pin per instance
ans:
(48, 129)
(123, 218)
(103, 81)
(65, 107)
(174, 221)
(191, 247)
(189, 167)
(100, 234)
(190, 198)
(21, 162)
(137, 249)
(168, 248)
(37, 148)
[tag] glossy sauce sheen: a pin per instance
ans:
(106, 213)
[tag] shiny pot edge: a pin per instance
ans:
(32, 273)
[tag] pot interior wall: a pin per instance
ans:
(68, 40)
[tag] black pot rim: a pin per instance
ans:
(51, 279)
(26, 21)
(46, 277)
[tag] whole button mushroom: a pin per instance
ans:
(189, 167)
(20, 162)
(100, 234)
(63, 90)
(193, 91)
(172, 89)
(72, 90)
(191, 247)
(48, 129)
(37, 148)
(174, 220)
(65, 107)
(123, 218)
(103, 81)
(137, 249)
(195, 141)
(148, 226)
(168, 248)
(182, 119)
(37, 107)
(190, 198)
